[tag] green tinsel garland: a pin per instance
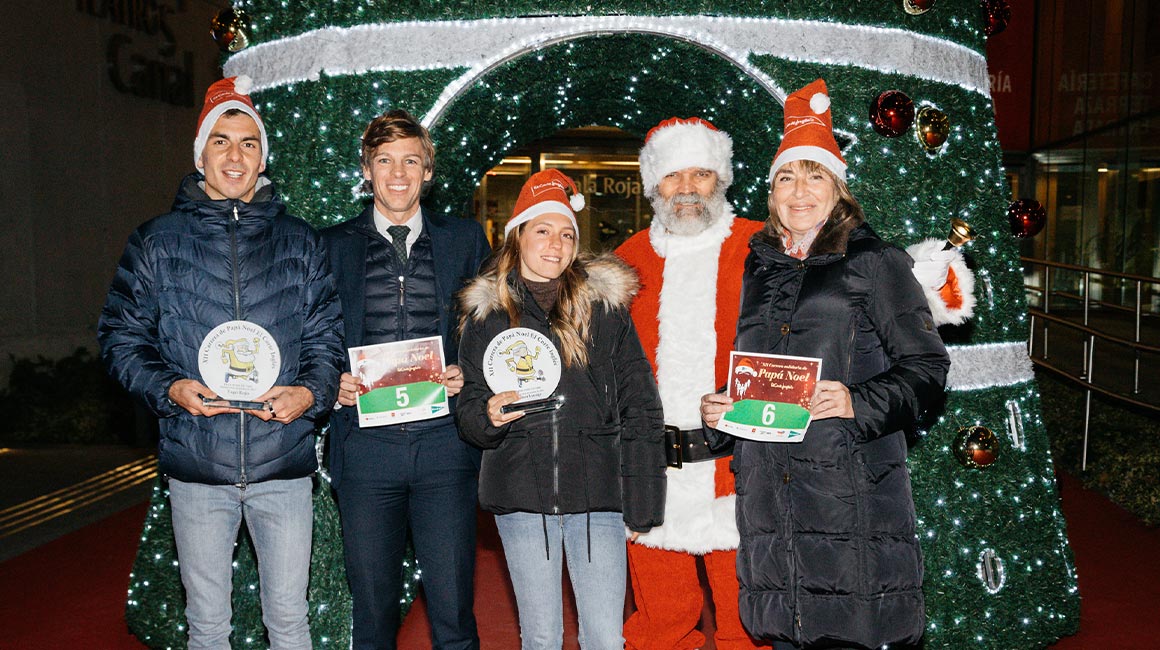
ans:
(1011, 507)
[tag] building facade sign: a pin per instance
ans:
(146, 63)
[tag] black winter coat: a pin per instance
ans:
(828, 554)
(201, 265)
(602, 451)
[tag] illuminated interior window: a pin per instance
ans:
(602, 161)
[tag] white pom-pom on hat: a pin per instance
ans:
(820, 103)
(577, 202)
(243, 84)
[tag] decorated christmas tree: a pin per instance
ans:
(490, 77)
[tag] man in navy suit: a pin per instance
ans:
(398, 268)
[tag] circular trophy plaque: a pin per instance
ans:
(239, 360)
(523, 360)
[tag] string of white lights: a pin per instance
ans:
(480, 45)
(988, 365)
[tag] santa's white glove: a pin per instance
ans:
(947, 282)
(931, 271)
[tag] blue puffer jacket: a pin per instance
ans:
(186, 272)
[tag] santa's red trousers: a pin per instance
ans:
(668, 599)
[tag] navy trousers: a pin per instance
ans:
(425, 481)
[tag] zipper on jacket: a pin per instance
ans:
(555, 465)
(401, 318)
(234, 264)
(555, 450)
(238, 316)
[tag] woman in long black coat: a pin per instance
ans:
(829, 555)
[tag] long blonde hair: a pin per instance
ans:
(570, 316)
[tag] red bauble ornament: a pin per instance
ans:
(892, 113)
(996, 15)
(1027, 217)
(230, 29)
(917, 7)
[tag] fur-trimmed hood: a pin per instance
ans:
(608, 281)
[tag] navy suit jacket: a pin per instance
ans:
(458, 249)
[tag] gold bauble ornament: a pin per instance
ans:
(976, 447)
(932, 127)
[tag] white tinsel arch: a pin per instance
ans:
(479, 44)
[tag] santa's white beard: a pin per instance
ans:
(688, 214)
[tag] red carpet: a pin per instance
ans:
(70, 594)
(1118, 562)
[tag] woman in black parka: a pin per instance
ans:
(828, 556)
(568, 481)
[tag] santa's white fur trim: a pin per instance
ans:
(681, 146)
(942, 313)
(696, 520)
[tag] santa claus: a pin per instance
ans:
(690, 266)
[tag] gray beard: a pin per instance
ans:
(712, 209)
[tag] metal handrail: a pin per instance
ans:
(1085, 380)
(1111, 338)
(1090, 269)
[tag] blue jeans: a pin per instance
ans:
(206, 520)
(597, 578)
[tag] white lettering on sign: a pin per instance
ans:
(1000, 82)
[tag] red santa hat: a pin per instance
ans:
(224, 95)
(546, 192)
(809, 131)
(679, 143)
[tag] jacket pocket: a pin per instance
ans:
(879, 458)
(881, 466)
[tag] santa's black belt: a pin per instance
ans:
(689, 446)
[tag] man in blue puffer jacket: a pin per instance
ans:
(228, 256)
